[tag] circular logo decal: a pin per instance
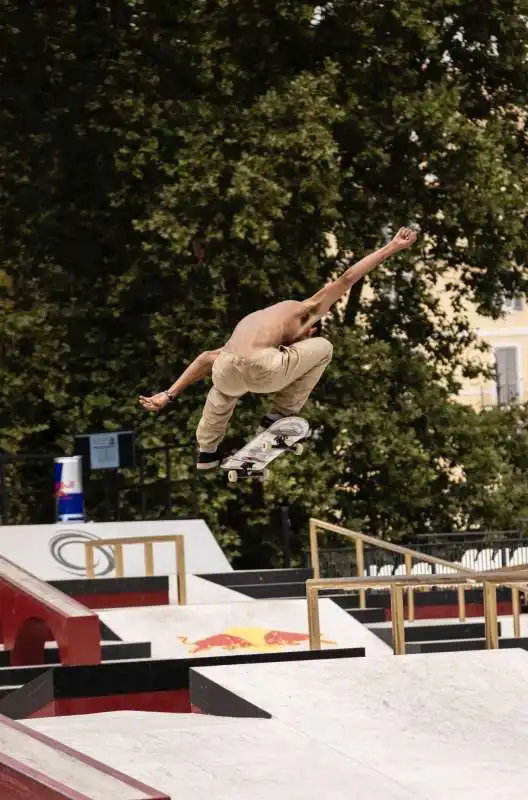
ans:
(67, 549)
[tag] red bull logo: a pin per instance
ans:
(69, 497)
(252, 640)
(64, 488)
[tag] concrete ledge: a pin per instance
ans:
(458, 645)
(110, 651)
(115, 685)
(96, 593)
(32, 612)
(433, 633)
(239, 578)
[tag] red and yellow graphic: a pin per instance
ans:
(250, 640)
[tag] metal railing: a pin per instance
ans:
(397, 586)
(148, 543)
(410, 556)
(477, 550)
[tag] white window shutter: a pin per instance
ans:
(507, 369)
(511, 303)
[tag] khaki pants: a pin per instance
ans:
(288, 374)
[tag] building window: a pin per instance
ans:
(510, 304)
(507, 375)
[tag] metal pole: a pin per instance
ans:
(119, 563)
(360, 569)
(149, 558)
(180, 571)
(89, 559)
(410, 590)
(461, 603)
(314, 550)
(314, 628)
(398, 626)
(490, 615)
(516, 612)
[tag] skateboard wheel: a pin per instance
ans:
(232, 476)
(265, 474)
(298, 449)
(267, 447)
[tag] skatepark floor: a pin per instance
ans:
(434, 727)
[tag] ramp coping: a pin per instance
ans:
(53, 598)
(50, 763)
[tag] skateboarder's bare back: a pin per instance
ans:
(280, 324)
(271, 351)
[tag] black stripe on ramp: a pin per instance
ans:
(211, 698)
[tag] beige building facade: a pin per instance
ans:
(507, 338)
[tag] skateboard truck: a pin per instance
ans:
(280, 443)
(246, 471)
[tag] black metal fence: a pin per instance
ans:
(480, 550)
(163, 485)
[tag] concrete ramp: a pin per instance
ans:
(200, 590)
(56, 552)
(35, 766)
(426, 727)
(442, 725)
(32, 613)
(240, 627)
(192, 757)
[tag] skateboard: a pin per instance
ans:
(252, 460)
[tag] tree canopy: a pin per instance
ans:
(169, 167)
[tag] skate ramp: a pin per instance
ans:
(191, 757)
(200, 590)
(56, 552)
(35, 766)
(430, 727)
(441, 725)
(32, 613)
(241, 627)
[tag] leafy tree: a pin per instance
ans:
(169, 167)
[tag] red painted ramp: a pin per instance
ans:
(32, 613)
(35, 767)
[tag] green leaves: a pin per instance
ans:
(168, 168)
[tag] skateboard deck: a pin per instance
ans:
(285, 435)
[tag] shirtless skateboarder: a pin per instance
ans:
(271, 351)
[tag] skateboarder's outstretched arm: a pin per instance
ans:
(324, 299)
(198, 369)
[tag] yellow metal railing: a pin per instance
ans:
(489, 581)
(410, 556)
(148, 543)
